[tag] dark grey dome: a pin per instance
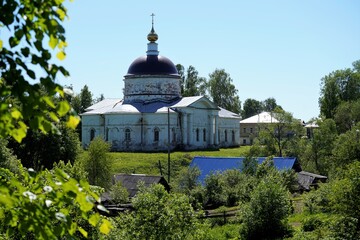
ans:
(152, 65)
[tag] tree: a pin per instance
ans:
(187, 180)
(347, 115)
(64, 145)
(46, 205)
(215, 189)
(82, 101)
(194, 85)
(223, 92)
(277, 136)
(269, 105)
(38, 203)
(346, 148)
(339, 86)
(7, 158)
(30, 24)
(191, 83)
(251, 107)
(118, 193)
(100, 98)
(181, 71)
(160, 215)
(317, 154)
(97, 164)
(264, 217)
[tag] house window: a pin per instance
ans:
(251, 130)
(225, 135)
(204, 135)
(244, 141)
(156, 135)
(92, 134)
(233, 135)
(107, 134)
(244, 130)
(219, 135)
(127, 135)
(197, 134)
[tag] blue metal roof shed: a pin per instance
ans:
(208, 165)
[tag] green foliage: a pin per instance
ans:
(187, 180)
(311, 223)
(346, 148)
(317, 152)
(46, 205)
(118, 193)
(345, 228)
(187, 183)
(223, 92)
(97, 163)
(317, 201)
(252, 107)
(224, 232)
(264, 217)
(30, 24)
(340, 197)
(337, 87)
(347, 115)
(192, 84)
(237, 187)
(279, 137)
(160, 215)
(64, 145)
(345, 191)
(82, 101)
(7, 158)
(75, 171)
(214, 189)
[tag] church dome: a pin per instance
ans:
(152, 65)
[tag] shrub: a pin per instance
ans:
(264, 217)
(311, 223)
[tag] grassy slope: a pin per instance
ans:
(148, 163)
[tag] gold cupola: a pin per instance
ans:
(152, 36)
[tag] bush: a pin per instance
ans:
(98, 164)
(215, 190)
(345, 228)
(311, 223)
(160, 215)
(118, 193)
(265, 216)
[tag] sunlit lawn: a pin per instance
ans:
(148, 163)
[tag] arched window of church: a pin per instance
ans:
(197, 134)
(204, 135)
(225, 135)
(233, 135)
(156, 134)
(92, 134)
(127, 134)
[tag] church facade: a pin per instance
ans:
(153, 116)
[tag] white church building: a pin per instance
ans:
(153, 116)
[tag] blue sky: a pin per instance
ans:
(277, 49)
